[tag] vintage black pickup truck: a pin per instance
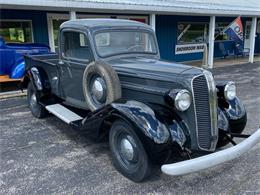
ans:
(108, 78)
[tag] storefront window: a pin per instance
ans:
(16, 31)
(55, 20)
(192, 33)
(219, 34)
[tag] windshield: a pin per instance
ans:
(119, 42)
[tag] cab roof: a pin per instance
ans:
(105, 23)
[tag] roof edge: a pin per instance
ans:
(81, 6)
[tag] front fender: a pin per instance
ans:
(144, 118)
(236, 110)
(159, 139)
(235, 114)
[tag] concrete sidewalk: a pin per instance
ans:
(10, 94)
(224, 62)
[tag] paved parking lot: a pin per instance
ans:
(47, 156)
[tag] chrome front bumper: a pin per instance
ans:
(211, 160)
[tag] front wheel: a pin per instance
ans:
(129, 156)
(37, 110)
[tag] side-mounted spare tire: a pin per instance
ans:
(101, 85)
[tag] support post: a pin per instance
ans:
(153, 21)
(211, 41)
(252, 39)
(72, 15)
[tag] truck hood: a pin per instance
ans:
(150, 67)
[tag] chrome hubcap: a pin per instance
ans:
(33, 100)
(127, 150)
(98, 89)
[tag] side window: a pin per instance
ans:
(75, 46)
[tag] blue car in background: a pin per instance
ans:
(11, 57)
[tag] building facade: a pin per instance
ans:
(182, 34)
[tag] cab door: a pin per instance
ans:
(75, 55)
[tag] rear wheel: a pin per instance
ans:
(129, 156)
(37, 110)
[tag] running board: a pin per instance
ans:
(63, 113)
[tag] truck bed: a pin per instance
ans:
(52, 58)
(47, 64)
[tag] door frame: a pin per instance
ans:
(247, 29)
(258, 27)
(50, 17)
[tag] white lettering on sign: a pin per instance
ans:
(190, 48)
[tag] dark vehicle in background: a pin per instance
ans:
(11, 57)
(108, 78)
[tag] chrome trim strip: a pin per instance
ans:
(213, 108)
(211, 160)
(194, 106)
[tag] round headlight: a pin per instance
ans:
(230, 90)
(182, 100)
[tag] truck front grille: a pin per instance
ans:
(205, 106)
